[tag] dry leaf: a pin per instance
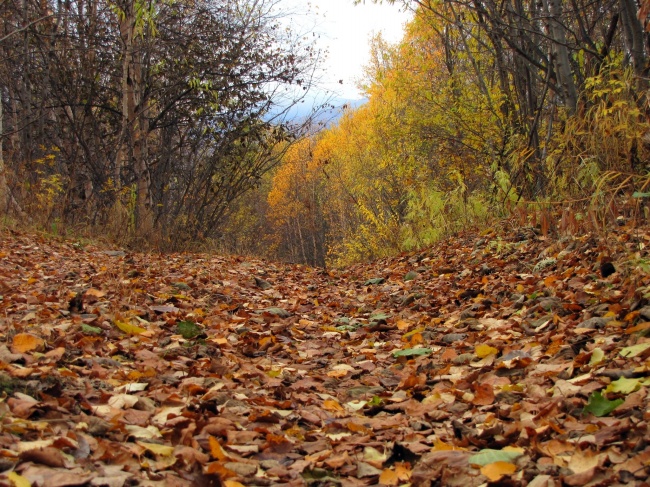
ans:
(494, 471)
(26, 342)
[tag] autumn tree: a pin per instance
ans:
(143, 115)
(542, 56)
(296, 207)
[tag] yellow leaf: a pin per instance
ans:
(128, 328)
(26, 342)
(157, 449)
(18, 480)
(483, 351)
(232, 483)
(597, 357)
(274, 373)
(494, 471)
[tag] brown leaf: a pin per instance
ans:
(484, 395)
(50, 456)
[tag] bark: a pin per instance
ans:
(566, 87)
(132, 153)
(4, 189)
(634, 37)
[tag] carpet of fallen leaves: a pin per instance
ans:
(506, 358)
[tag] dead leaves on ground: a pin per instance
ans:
(487, 359)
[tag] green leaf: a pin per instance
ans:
(410, 352)
(375, 401)
(601, 406)
(638, 194)
(353, 327)
(90, 330)
(188, 329)
(376, 280)
(410, 275)
(379, 317)
(624, 386)
(634, 350)
(487, 456)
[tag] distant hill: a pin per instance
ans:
(326, 113)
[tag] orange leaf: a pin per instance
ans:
(26, 342)
(416, 339)
(448, 355)
(639, 327)
(337, 374)
(332, 405)
(216, 450)
(266, 341)
(218, 469)
(494, 471)
(548, 282)
(403, 471)
(403, 325)
(358, 428)
(388, 477)
(439, 445)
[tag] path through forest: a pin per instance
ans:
(507, 357)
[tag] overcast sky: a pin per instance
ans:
(345, 30)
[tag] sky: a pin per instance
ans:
(345, 30)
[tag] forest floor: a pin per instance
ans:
(506, 358)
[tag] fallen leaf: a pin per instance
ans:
(389, 477)
(27, 342)
(634, 350)
(494, 471)
(601, 406)
(128, 328)
(487, 456)
(483, 351)
(18, 480)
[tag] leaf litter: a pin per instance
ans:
(493, 358)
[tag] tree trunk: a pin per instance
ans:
(132, 152)
(4, 189)
(634, 39)
(565, 86)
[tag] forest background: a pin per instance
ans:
(167, 124)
